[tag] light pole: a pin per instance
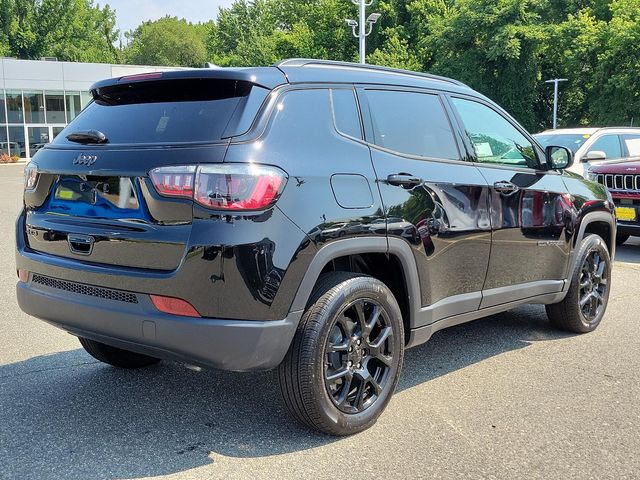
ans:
(359, 28)
(555, 82)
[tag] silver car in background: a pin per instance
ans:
(594, 146)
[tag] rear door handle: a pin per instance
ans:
(506, 187)
(404, 180)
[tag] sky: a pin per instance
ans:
(132, 13)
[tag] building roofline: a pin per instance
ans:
(311, 62)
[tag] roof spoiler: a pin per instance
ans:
(266, 77)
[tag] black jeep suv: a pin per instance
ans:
(315, 217)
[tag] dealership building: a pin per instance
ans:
(39, 98)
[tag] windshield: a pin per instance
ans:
(169, 112)
(573, 141)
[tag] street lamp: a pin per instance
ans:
(359, 28)
(555, 82)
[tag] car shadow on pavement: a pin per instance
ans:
(89, 420)
(629, 252)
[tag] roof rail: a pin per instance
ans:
(303, 62)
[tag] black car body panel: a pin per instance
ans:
(97, 227)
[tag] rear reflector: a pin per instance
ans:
(174, 306)
(23, 275)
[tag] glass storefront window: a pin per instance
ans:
(15, 112)
(86, 98)
(38, 138)
(3, 112)
(17, 144)
(34, 107)
(73, 105)
(56, 131)
(54, 102)
(4, 145)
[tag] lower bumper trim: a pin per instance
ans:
(237, 345)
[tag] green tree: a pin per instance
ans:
(168, 41)
(615, 96)
(74, 30)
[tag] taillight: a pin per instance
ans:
(30, 177)
(229, 186)
(174, 181)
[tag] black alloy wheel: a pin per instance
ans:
(358, 356)
(345, 359)
(593, 285)
(585, 303)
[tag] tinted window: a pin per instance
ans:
(571, 141)
(494, 138)
(609, 144)
(172, 111)
(411, 123)
(632, 142)
(345, 112)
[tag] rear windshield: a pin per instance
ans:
(572, 141)
(161, 112)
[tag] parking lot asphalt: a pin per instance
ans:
(502, 397)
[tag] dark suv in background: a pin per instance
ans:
(313, 216)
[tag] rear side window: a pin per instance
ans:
(161, 112)
(345, 112)
(411, 123)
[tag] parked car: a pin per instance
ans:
(594, 146)
(180, 217)
(342, 229)
(622, 179)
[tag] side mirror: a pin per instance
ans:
(558, 158)
(594, 155)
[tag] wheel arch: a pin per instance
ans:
(600, 223)
(394, 249)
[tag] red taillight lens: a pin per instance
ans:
(238, 186)
(174, 306)
(231, 186)
(174, 181)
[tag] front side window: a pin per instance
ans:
(495, 140)
(411, 123)
(609, 144)
(572, 141)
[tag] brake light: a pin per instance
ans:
(174, 181)
(30, 177)
(230, 187)
(141, 77)
(174, 306)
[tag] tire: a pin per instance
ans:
(331, 341)
(116, 356)
(621, 238)
(591, 280)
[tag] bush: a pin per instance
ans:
(14, 158)
(5, 158)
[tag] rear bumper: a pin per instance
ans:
(629, 228)
(237, 345)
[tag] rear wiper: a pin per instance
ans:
(89, 136)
